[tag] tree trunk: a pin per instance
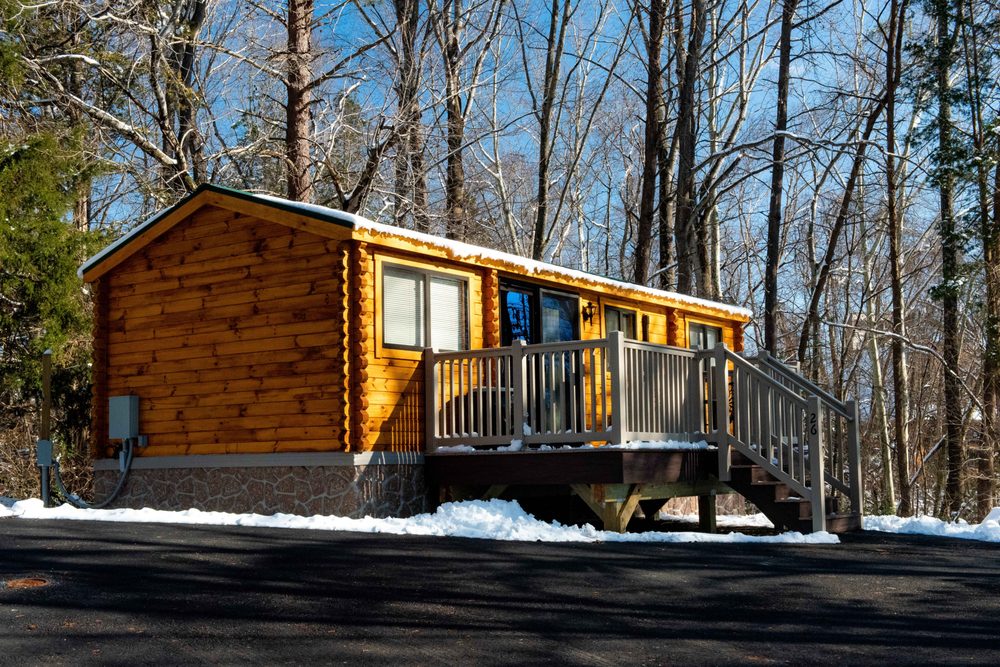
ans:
(298, 113)
(557, 34)
(651, 145)
(665, 217)
(455, 171)
(984, 448)
(900, 379)
(687, 136)
(411, 176)
(950, 264)
(774, 208)
(182, 59)
(991, 355)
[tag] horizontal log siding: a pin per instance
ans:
(230, 330)
(395, 382)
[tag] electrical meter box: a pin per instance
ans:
(123, 417)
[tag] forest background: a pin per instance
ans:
(831, 164)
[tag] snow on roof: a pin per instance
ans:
(457, 249)
(469, 252)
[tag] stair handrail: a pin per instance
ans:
(803, 384)
(726, 440)
(848, 410)
(816, 399)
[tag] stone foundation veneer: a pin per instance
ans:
(379, 484)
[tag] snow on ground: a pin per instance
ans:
(491, 519)
(987, 531)
(504, 520)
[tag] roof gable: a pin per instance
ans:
(329, 224)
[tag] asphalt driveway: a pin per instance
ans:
(153, 593)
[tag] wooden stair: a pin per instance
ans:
(778, 501)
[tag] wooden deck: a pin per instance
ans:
(783, 443)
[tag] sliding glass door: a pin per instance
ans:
(537, 315)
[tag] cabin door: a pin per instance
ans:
(536, 315)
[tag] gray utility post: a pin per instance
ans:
(43, 448)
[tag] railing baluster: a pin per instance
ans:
(481, 394)
(580, 384)
(616, 350)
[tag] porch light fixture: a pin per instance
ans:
(589, 311)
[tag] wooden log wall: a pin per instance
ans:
(99, 372)
(395, 386)
(361, 334)
(231, 330)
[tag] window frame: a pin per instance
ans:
(704, 326)
(536, 293)
(622, 311)
(427, 274)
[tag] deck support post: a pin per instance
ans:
(817, 481)
(720, 413)
(614, 514)
(707, 513)
(430, 403)
(619, 385)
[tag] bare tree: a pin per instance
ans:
(652, 146)
(686, 130)
(774, 210)
(901, 391)
(458, 37)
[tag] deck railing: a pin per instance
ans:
(561, 393)
(617, 390)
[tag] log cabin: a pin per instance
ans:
(287, 357)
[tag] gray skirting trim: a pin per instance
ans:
(286, 460)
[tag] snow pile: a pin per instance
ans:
(987, 531)
(489, 519)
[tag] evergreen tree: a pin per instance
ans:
(43, 304)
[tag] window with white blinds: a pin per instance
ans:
(403, 307)
(421, 309)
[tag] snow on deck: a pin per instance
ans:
(518, 445)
